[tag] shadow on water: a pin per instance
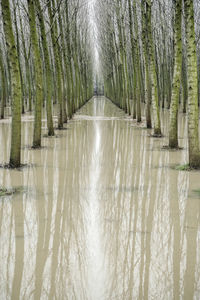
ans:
(102, 216)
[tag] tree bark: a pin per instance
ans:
(154, 79)
(38, 76)
(3, 86)
(58, 66)
(15, 159)
(173, 123)
(193, 111)
(48, 70)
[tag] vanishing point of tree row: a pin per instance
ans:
(148, 52)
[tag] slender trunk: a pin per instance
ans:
(148, 97)
(3, 86)
(28, 75)
(15, 85)
(184, 83)
(173, 123)
(38, 76)
(147, 83)
(193, 110)
(133, 57)
(137, 65)
(154, 79)
(58, 66)
(65, 66)
(70, 84)
(48, 72)
(19, 59)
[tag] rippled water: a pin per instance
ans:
(102, 214)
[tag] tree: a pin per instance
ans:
(3, 85)
(15, 160)
(58, 64)
(38, 75)
(146, 64)
(154, 78)
(137, 64)
(47, 70)
(173, 125)
(193, 111)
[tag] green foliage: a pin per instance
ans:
(197, 192)
(8, 192)
(183, 168)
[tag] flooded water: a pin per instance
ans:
(101, 214)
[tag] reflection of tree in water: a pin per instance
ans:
(121, 188)
(144, 222)
(46, 229)
(12, 240)
(65, 257)
(190, 235)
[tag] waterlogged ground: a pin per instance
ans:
(100, 213)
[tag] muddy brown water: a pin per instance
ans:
(102, 215)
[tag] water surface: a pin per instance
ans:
(103, 215)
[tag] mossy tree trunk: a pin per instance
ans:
(173, 123)
(184, 79)
(137, 65)
(65, 66)
(15, 159)
(3, 85)
(147, 82)
(70, 83)
(19, 58)
(133, 56)
(154, 78)
(75, 60)
(58, 65)
(193, 111)
(48, 71)
(27, 67)
(38, 75)
(120, 18)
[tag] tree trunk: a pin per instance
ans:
(15, 86)
(3, 86)
(154, 79)
(58, 66)
(193, 111)
(173, 123)
(184, 83)
(137, 65)
(47, 70)
(38, 76)
(27, 66)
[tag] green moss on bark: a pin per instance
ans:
(173, 125)
(15, 153)
(193, 110)
(38, 76)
